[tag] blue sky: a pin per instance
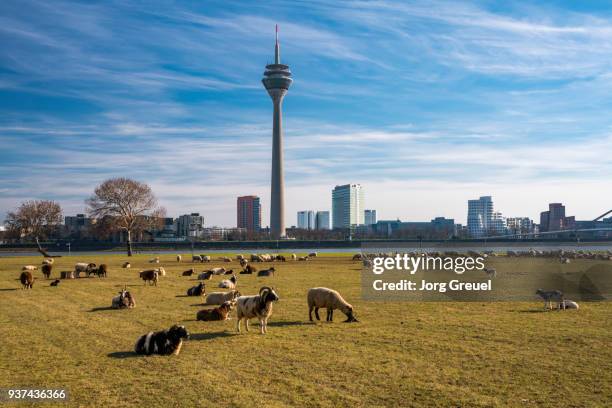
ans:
(426, 104)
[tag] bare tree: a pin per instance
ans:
(124, 204)
(34, 219)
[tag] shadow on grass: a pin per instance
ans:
(182, 296)
(292, 323)
(123, 354)
(211, 336)
(534, 311)
(7, 289)
(100, 309)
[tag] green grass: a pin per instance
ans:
(400, 354)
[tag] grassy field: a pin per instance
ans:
(399, 354)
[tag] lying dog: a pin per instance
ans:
(55, 282)
(218, 313)
(163, 342)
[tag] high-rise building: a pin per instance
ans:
(249, 213)
(498, 224)
(370, 217)
(277, 80)
(189, 225)
(306, 219)
(480, 215)
(554, 219)
(347, 205)
(322, 220)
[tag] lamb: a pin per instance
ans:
(197, 290)
(549, 296)
(331, 300)
(196, 258)
(154, 260)
(229, 283)
(217, 314)
(491, 272)
(163, 342)
(55, 282)
(124, 300)
(205, 276)
(126, 265)
(217, 298)
(30, 268)
(179, 258)
(27, 280)
(48, 261)
(46, 270)
(259, 306)
(150, 276)
(189, 272)
(249, 270)
(266, 272)
(568, 304)
(83, 267)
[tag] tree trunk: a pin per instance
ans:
(129, 243)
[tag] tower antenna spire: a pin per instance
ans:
(277, 48)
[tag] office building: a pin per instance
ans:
(369, 217)
(189, 225)
(480, 216)
(249, 213)
(306, 220)
(322, 220)
(347, 206)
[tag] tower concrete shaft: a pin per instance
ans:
(277, 80)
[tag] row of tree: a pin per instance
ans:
(117, 204)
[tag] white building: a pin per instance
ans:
(480, 216)
(306, 219)
(347, 206)
(189, 225)
(322, 220)
(370, 217)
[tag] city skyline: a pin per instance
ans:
(477, 105)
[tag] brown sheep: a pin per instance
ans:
(188, 272)
(150, 276)
(46, 270)
(219, 313)
(27, 280)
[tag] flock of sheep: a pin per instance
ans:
(257, 306)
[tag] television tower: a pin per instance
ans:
(277, 80)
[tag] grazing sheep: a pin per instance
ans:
(254, 258)
(217, 271)
(55, 282)
(27, 280)
(549, 296)
(249, 270)
(217, 298)
(154, 260)
(266, 272)
(217, 314)
(179, 258)
(197, 290)
(30, 268)
(259, 306)
(357, 257)
(293, 257)
(229, 283)
(102, 271)
(281, 258)
(196, 258)
(161, 271)
(126, 265)
(205, 276)
(331, 300)
(124, 300)
(491, 272)
(48, 261)
(189, 272)
(46, 270)
(206, 258)
(312, 255)
(568, 304)
(150, 276)
(83, 267)
(163, 342)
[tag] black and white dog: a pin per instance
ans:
(163, 342)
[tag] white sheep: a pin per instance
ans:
(127, 265)
(83, 267)
(196, 258)
(154, 260)
(259, 306)
(228, 283)
(161, 271)
(331, 300)
(568, 304)
(29, 268)
(217, 271)
(217, 298)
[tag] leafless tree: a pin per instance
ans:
(34, 219)
(125, 205)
